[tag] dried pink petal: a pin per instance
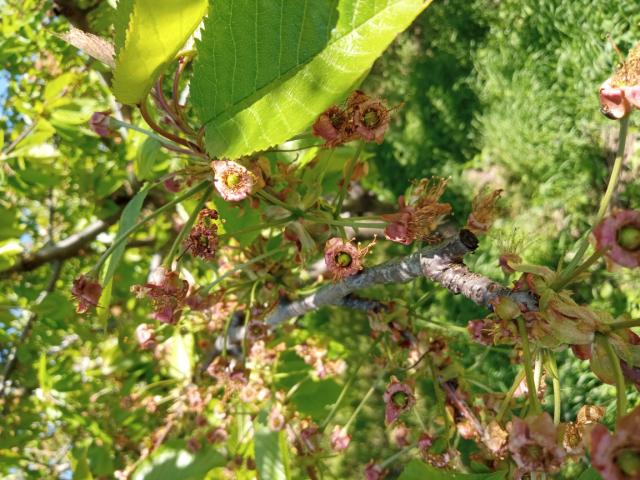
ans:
(339, 439)
(398, 398)
(167, 293)
(100, 124)
(619, 235)
(533, 444)
(233, 181)
(418, 217)
(203, 238)
(330, 126)
(371, 120)
(145, 336)
(617, 456)
(87, 292)
(373, 471)
(344, 259)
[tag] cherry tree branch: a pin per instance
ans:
(61, 250)
(441, 264)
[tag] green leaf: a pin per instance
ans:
(155, 33)
(127, 220)
(173, 460)
(149, 154)
(417, 470)
(237, 217)
(315, 398)
(271, 453)
(181, 356)
(590, 474)
(267, 68)
(81, 470)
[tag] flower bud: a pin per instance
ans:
(100, 124)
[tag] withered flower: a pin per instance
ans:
(173, 184)
(340, 439)
(167, 293)
(330, 126)
(145, 336)
(257, 331)
(233, 181)
(373, 471)
(483, 210)
(620, 93)
(419, 217)
(203, 238)
(533, 444)
(398, 398)
(276, 420)
(424, 443)
(619, 234)
(344, 259)
(309, 437)
(617, 456)
(371, 120)
(217, 435)
(363, 118)
(86, 291)
(100, 124)
(401, 435)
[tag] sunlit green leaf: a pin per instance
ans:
(271, 453)
(173, 461)
(155, 33)
(417, 470)
(267, 69)
(181, 356)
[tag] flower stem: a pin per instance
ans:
(526, 353)
(118, 241)
(346, 181)
(276, 201)
(625, 324)
(355, 413)
(347, 385)
(396, 455)
(606, 199)
(242, 266)
(187, 227)
(504, 406)
(555, 381)
(343, 222)
(262, 226)
(567, 279)
(621, 394)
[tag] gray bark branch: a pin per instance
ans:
(61, 250)
(441, 264)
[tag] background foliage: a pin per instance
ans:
(491, 92)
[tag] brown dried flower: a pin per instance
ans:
(167, 292)
(483, 211)
(344, 259)
(419, 217)
(398, 398)
(617, 456)
(203, 238)
(621, 92)
(533, 444)
(86, 291)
